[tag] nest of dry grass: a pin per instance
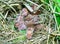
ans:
(8, 12)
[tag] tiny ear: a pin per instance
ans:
(24, 12)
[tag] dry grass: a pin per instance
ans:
(8, 11)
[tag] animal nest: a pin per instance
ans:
(37, 26)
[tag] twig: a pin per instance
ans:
(29, 8)
(9, 6)
(53, 40)
(32, 2)
(14, 4)
(14, 38)
(56, 13)
(6, 15)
